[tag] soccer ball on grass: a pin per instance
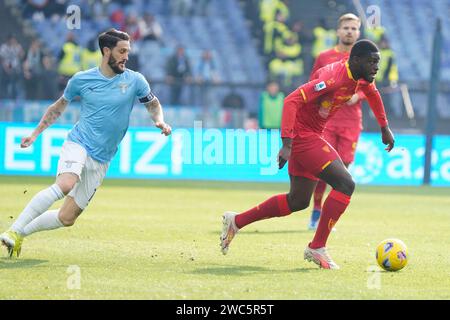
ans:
(392, 254)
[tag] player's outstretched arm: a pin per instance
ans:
(290, 106)
(387, 137)
(155, 109)
(376, 104)
(52, 113)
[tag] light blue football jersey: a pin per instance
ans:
(106, 104)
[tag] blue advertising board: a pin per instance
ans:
(222, 154)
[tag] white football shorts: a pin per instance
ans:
(74, 159)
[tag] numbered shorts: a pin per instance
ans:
(344, 141)
(74, 159)
(310, 155)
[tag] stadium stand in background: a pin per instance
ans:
(234, 48)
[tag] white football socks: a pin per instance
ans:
(47, 221)
(37, 205)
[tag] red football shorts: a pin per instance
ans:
(343, 140)
(310, 155)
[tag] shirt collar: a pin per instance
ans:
(349, 72)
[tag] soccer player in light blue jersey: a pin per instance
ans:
(107, 96)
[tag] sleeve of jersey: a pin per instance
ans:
(375, 102)
(72, 88)
(306, 93)
(317, 65)
(361, 95)
(143, 91)
(291, 103)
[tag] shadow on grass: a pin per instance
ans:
(268, 232)
(7, 263)
(223, 270)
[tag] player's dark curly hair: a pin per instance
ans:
(363, 48)
(110, 38)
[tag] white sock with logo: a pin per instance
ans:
(37, 205)
(47, 221)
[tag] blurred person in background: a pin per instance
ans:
(149, 28)
(49, 78)
(90, 56)
(271, 106)
(69, 59)
(33, 69)
(178, 73)
(206, 77)
(11, 56)
(131, 27)
(324, 38)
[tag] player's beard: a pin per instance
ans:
(348, 42)
(113, 64)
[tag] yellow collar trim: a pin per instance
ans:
(349, 73)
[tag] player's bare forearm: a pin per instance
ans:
(52, 113)
(155, 109)
(287, 142)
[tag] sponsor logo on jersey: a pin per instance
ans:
(123, 87)
(320, 86)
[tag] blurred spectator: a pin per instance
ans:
(49, 79)
(181, 7)
(43, 8)
(56, 8)
(206, 75)
(305, 38)
(269, 8)
(272, 31)
(117, 18)
(11, 55)
(69, 59)
(207, 70)
(375, 33)
(324, 38)
(33, 7)
(387, 76)
(271, 106)
(132, 27)
(178, 72)
(388, 72)
(233, 100)
(287, 66)
(91, 56)
(233, 110)
(149, 28)
(33, 69)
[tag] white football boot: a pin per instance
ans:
(321, 257)
(229, 230)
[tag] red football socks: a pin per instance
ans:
(318, 195)
(277, 206)
(334, 206)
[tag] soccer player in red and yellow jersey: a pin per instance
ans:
(343, 130)
(305, 114)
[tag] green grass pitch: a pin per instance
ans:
(160, 240)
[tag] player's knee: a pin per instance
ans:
(67, 221)
(296, 204)
(66, 185)
(346, 186)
